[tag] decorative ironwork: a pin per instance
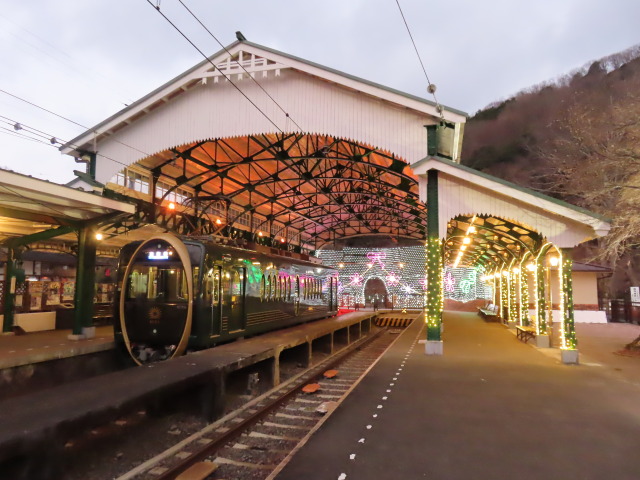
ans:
(317, 186)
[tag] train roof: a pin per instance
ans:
(298, 258)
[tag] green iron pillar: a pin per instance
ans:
(85, 282)
(92, 165)
(569, 341)
(9, 291)
(434, 300)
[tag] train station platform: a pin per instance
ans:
(37, 347)
(44, 419)
(491, 407)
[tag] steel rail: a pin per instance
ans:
(226, 437)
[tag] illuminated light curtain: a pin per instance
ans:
(401, 269)
(569, 340)
(464, 284)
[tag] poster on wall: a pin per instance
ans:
(36, 303)
(53, 293)
(68, 289)
(635, 294)
(35, 292)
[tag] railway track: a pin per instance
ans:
(255, 441)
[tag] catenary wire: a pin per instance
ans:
(75, 123)
(48, 136)
(8, 131)
(438, 106)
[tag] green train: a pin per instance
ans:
(177, 294)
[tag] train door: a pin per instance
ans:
(212, 297)
(233, 302)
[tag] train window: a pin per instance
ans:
(263, 288)
(236, 283)
(272, 286)
(288, 285)
(196, 279)
(216, 286)
(283, 289)
(276, 287)
(267, 288)
(208, 287)
(168, 284)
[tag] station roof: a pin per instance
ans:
(180, 84)
(355, 171)
(29, 205)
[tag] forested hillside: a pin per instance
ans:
(576, 137)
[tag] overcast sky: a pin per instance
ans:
(85, 60)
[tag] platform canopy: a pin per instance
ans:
(29, 205)
(501, 220)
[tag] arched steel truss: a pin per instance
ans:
(317, 186)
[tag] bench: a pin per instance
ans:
(490, 313)
(525, 333)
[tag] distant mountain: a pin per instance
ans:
(576, 137)
(507, 138)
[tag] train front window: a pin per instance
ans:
(161, 283)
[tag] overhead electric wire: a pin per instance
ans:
(42, 108)
(431, 86)
(241, 66)
(8, 131)
(75, 123)
(50, 137)
(157, 8)
(61, 57)
(17, 126)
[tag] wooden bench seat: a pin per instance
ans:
(488, 314)
(525, 333)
